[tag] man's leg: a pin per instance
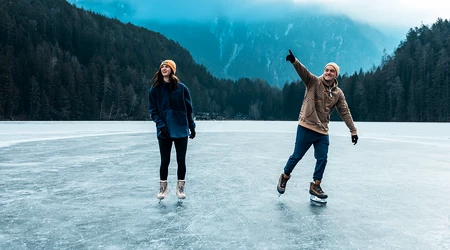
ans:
(321, 154)
(302, 143)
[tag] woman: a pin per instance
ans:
(170, 107)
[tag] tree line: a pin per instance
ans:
(58, 62)
(413, 84)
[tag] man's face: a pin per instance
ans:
(329, 73)
(165, 70)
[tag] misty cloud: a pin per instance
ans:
(383, 14)
(198, 10)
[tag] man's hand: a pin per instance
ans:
(192, 135)
(290, 57)
(354, 139)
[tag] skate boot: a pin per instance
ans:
(316, 190)
(162, 190)
(180, 189)
(281, 187)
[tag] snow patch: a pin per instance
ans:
(236, 50)
(290, 26)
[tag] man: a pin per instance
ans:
(321, 97)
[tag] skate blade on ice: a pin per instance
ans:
(160, 198)
(316, 199)
(180, 201)
(280, 192)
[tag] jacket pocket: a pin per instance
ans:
(180, 118)
(309, 109)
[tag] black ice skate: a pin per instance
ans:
(317, 194)
(282, 181)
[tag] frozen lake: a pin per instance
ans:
(92, 185)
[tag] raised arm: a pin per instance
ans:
(302, 71)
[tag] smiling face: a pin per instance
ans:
(329, 73)
(165, 70)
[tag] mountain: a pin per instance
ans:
(58, 62)
(257, 48)
(113, 9)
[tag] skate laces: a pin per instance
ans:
(318, 188)
(283, 182)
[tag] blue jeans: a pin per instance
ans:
(305, 138)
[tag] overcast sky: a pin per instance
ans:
(384, 14)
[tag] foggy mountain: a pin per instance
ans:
(256, 47)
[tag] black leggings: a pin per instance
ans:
(165, 146)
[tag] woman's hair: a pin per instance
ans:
(159, 79)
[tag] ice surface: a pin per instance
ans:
(84, 185)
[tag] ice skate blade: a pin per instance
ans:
(160, 199)
(180, 201)
(316, 199)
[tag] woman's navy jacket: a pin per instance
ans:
(171, 109)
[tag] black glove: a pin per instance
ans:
(163, 133)
(192, 135)
(290, 57)
(354, 139)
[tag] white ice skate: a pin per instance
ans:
(180, 191)
(162, 190)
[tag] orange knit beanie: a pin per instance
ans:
(171, 64)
